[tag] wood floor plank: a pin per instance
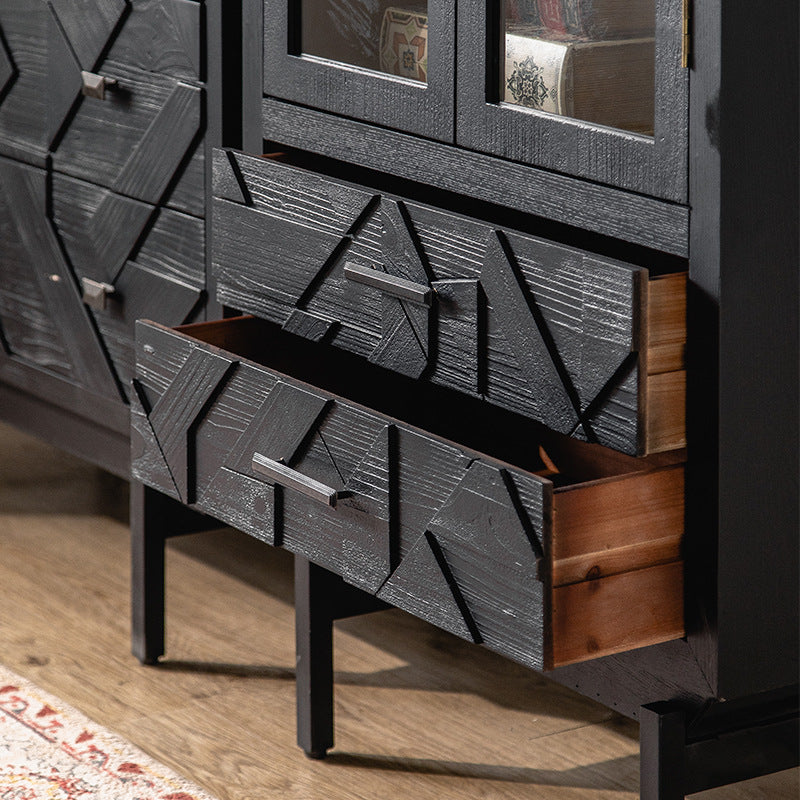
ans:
(419, 713)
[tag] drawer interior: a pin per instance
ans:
(606, 552)
(488, 430)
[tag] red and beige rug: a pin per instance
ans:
(50, 751)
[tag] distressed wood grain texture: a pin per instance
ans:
(157, 155)
(552, 332)
(7, 68)
(148, 119)
(147, 238)
(177, 410)
(601, 209)
(64, 79)
(162, 36)
(87, 25)
(451, 535)
(24, 96)
(153, 257)
(55, 285)
(28, 329)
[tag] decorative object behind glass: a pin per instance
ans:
(592, 60)
(382, 35)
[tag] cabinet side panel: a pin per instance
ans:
(758, 441)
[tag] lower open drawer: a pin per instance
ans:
(545, 549)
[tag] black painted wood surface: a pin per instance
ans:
(459, 538)
(743, 368)
(587, 206)
(120, 198)
(548, 331)
(421, 523)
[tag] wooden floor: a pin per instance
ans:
(419, 714)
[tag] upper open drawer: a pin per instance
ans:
(548, 550)
(591, 347)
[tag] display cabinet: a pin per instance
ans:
(496, 254)
(369, 60)
(523, 358)
(594, 90)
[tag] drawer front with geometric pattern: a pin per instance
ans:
(589, 346)
(539, 560)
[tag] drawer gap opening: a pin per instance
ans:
(440, 411)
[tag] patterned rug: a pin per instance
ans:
(50, 751)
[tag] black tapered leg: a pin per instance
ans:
(314, 635)
(320, 598)
(155, 517)
(148, 537)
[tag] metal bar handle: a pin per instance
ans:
(397, 287)
(292, 479)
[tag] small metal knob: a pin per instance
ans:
(95, 293)
(96, 85)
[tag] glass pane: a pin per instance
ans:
(381, 35)
(592, 60)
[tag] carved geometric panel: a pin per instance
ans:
(7, 69)
(532, 326)
(42, 313)
(87, 26)
(24, 100)
(418, 522)
(134, 220)
(153, 258)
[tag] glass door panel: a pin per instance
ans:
(592, 60)
(592, 88)
(389, 62)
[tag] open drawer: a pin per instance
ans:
(545, 549)
(590, 346)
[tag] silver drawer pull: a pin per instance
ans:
(292, 479)
(95, 294)
(397, 287)
(96, 85)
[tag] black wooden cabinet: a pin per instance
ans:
(104, 128)
(510, 365)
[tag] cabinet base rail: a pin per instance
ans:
(747, 745)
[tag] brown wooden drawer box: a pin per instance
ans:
(589, 346)
(571, 553)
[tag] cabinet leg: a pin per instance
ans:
(662, 742)
(727, 743)
(147, 573)
(320, 598)
(314, 636)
